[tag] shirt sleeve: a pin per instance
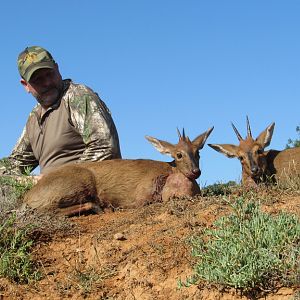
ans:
(21, 160)
(93, 121)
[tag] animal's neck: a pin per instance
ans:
(159, 184)
(174, 168)
(270, 157)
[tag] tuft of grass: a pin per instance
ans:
(11, 192)
(291, 184)
(16, 263)
(20, 231)
(85, 278)
(218, 189)
(90, 278)
(248, 250)
(296, 296)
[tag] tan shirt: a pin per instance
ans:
(55, 141)
(79, 127)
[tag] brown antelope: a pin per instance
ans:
(128, 183)
(259, 165)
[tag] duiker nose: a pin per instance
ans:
(254, 170)
(196, 172)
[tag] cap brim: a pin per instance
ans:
(34, 67)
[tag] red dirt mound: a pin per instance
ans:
(134, 254)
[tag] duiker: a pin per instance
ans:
(127, 183)
(259, 165)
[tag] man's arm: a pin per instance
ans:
(92, 119)
(21, 160)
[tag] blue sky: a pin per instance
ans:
(164, 64)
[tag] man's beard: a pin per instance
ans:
(48, 97)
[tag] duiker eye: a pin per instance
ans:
(259, 151)
(179, 155)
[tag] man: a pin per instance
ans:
(69, 124)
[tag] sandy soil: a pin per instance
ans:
(134, 254)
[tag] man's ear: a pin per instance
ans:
(25, 84)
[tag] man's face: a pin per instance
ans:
(45, 85)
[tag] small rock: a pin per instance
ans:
(119, 236)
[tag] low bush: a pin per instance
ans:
(248, 250)
(20, 230)
(218, 189)
(16, 263)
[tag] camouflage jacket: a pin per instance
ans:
(79, 127)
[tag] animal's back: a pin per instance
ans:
(284, 163)
(117, 183)
(129, 183)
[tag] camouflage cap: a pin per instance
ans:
(32, 59)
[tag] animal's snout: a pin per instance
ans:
(254, 170)
(195, 173)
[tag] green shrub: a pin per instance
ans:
(248, 250)
(20, 230)
(11, 193)
(294, 143)
(218, 189)
(16, 263)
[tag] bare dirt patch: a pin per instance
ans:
(135, 254)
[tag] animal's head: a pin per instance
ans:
(185, 153)
(250, 152)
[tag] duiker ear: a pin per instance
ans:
(226, 149)
(264, 139)
(162, 146)
(200, 140)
